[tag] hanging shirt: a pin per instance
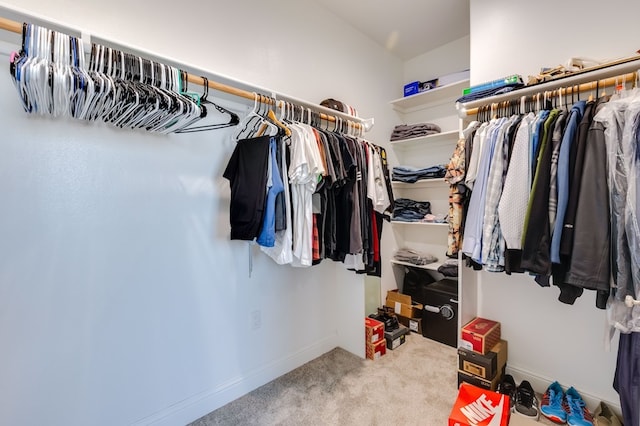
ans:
(304, 171)
(492, 240)
(472, 243)
(282, 251)
(267, 237)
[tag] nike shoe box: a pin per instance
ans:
(440, 313)
(485, 366)
(396, 337)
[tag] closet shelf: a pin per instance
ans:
(424, 183)
(430, 98)
(443, 138)
(430, 267)
(437, 225)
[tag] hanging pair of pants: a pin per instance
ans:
(627, 378)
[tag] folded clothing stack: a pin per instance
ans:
(408, 131)
(410, 174)
(449, 268)
(414, 257)
(408, 210)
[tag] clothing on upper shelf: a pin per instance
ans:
(489, 92)
(408, 174)
(334, 191)
(408, 131)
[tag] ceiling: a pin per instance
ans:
(407, 28)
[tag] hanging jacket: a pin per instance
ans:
(535, 247)
(590, 258)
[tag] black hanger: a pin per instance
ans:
(233, 117)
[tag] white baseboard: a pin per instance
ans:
(540, 384)
(198, 405)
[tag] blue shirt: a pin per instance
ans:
(267, 237)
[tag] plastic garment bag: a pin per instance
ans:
(620, 118)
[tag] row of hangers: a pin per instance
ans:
(117, 87)
(270, 117)
(554, 99)
(133, 92)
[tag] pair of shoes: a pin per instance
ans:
(523, 398)
(604, 416)
(561, 407)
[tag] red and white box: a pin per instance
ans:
(374, 330)
(480, 335)
(479, 407)
(376, 350)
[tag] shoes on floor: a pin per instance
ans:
(577, 414)
(508, 387)
(552, 405)
(604, 416)
(526, 401)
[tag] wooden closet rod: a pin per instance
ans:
(579, 88)
(16, 27)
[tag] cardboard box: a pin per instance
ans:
(402, 304)
(480, 335)
(479, 407)
(396, 337)
(464, 377)
(414, 324)
(374, 330)
(485, 366)
(377, 349)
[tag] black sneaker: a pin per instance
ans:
(508, 387)
(526, 401)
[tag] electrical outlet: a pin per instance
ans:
(256, 319)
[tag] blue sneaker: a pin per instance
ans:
(578, 414)
(551, 405)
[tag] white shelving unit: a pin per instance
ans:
(443, 138)
(429, 267)
(434, 106)
(424, 183)
(435, 224)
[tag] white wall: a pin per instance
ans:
(121, 299)
(547, 339)
(446, 59)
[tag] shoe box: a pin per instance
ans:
(376, 345)
(396, 337)
(377, 349)
(407, 310)
(480, 335)
(486, 366)
(492, 385)
(440, 313)
(373, 330)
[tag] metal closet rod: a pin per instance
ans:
(366, 124)
(564, 86)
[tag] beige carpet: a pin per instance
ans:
(416, 384)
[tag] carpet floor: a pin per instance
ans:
(415, 384)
